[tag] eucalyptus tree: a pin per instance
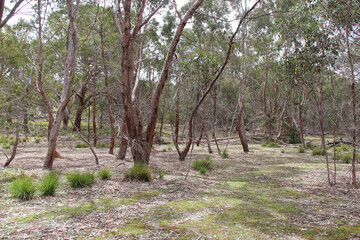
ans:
(68, 79)
(10, 14)
(129, 27)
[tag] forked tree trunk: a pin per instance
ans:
(68, 77)
(140, 147)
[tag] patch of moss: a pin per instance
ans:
(333, 232)
(133, 228)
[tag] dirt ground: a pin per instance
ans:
(269, 193)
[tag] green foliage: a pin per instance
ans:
(309, 145)
(318, 151)
(162, 173)
(203, 165)
(225, 154)
(37, 139)
(81, 145)
(5, 146)
(140, 172)
(49, 184)
(293, 136)
(301, 149)
(203, 170)
(169, 148)
(79, 180)
(270, 144)
(23, 188)
(104, 174)
(102, 145)
(282, 151)
(347, 157)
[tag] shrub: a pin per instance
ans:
(225, 154)
(293, 136)
(203, 170)
(37, 140)
(270, 144)
(23, 188)
(6, 146)
(79, 180)
(309, 145)
(104, 174)
(282, 151)
(169, 148)
(162, 173)
(206, 163)
(318, 151)
(301, 149)
(81, 145)
(347, 158)
(102, 145)
(140, 172)
(49, 184)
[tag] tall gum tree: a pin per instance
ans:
(68, 79)
(128, 32)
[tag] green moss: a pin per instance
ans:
(133, 228)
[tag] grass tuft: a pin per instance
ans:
(49, 184)
(301, 149)
(318, 151)
(23, 188)
(203, 165)
(104, 174)
(81, 145)
(140, 172)
(79, 180)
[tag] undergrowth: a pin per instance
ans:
(140, 172)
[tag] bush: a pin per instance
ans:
(140, 172)
(161, 173)
(102, 145)
(293, 136)
(37, 140)
(203, 170)
(49, 184)
(81, 145)
(270, 144)
(200, 165)
(309, 145)
(23, 188)
(282, 151)
(301, 149)
(225, 154)
(104, 174)
(318, 151)
(347, 158)
(79, 180)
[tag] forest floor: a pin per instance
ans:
(269, 193)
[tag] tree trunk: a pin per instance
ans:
(26, 122)
(94, 111)
(69, 73)
(108, 97)
(123, 142)
(353, 96)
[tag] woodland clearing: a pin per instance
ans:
(268, 193)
